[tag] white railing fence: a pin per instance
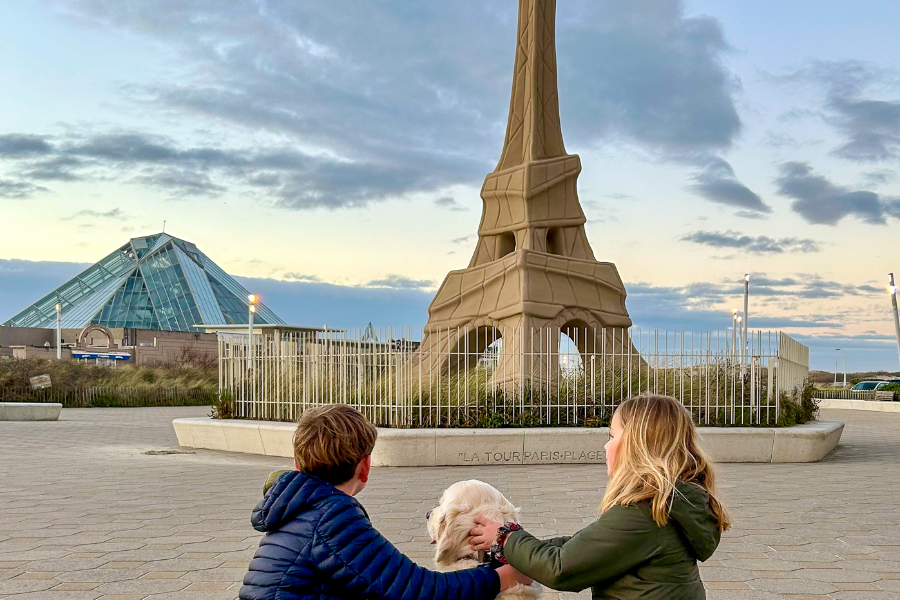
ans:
(544, 377)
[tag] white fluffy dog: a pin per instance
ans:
(451, 521)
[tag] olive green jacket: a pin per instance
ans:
(624, 554)
(270, 480)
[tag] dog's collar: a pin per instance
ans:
(491, 561)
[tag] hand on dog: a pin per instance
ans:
(483, 534)
(510, 577)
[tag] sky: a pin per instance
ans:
(331, 154)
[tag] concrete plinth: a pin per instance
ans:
(869, 405)
(29, 411)
(539, 446)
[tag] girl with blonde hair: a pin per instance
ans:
(661, 513)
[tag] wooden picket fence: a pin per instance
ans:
(833, 394)
(113, 396)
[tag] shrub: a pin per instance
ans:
(798, 408)
(223, 408)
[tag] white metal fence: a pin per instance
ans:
(554, 379)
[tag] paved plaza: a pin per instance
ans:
(92, 507)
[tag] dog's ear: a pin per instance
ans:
(455, 523)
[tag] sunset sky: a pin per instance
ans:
(331, 153)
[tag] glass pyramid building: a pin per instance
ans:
(153, 282)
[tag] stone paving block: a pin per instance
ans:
(36, 575)
(74, 587)
(742, 595)
(793, 586)
(102, 575)
(726, 585)
(229, 594)
(208, 586)
(219, 574)
(21, 586)
(143, 586)
(55, 595)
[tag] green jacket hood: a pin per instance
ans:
(698, 526)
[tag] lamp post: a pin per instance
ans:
(746, 342)
(251, 309)
(740, 328)
(893, 289)
(58, 331)
(734, 340)
(844, 360)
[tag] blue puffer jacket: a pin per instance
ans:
(320, 545)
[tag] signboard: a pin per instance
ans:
(40, 382)
(109, 355)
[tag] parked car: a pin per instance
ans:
(869, 386)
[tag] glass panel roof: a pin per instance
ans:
(175, 307)
(213, 270)
(196, 278)
(129, 307)
(152, 282)
(43, 312)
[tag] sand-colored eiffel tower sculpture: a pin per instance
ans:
(533, 270)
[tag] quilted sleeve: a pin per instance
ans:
(358, 560)
(621, 539)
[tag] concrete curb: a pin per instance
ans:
(30, 411)
(870, 405)
(550, 445)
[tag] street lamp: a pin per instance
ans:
(58, 331)
(745, 342)
(844, 360)
(893, 289)
(734, 339)
(251, 310)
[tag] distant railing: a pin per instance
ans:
(490, 377)
(112, 396)
(853, 395)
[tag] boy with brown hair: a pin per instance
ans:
(319, 542)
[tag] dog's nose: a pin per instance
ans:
(428, 514)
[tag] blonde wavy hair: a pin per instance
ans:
(658, 448)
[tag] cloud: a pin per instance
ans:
(718, 183)
(302, 277)
(784, 140)
(399, 282)
(18, 189)
(55, 168)
(17, 145)
(880, 177)
(450, 203)
(820, 201)
(871, 126)
(115, 213)
(182, 182)
(379, 100)
(753, 244)
(294, 179)
(463, 240)
(667, 87)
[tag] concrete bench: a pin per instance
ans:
(30, 411)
